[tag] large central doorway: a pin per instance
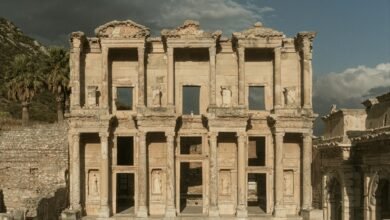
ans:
(125, 193)
(191, 188)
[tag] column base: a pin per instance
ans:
(104, 212)
(242, 212)
(142, 212)
(170, 212)
(280, 212)
(71, 214)
(214, 211)
(312, 214)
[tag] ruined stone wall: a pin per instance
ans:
(33, 170)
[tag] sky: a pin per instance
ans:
(351, 53)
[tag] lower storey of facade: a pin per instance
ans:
(166, 172)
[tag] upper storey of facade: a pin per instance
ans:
(188, 71)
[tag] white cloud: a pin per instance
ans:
(352, 83)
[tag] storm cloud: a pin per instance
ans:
(51, 21)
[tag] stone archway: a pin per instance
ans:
(379, 197)
(335, 200)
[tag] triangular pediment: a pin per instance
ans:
(122, 29)
(257, 31)
(190, 29)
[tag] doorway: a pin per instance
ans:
(191, 188)
(125, 193)
(257, 193)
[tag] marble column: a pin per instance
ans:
(278, 78)
(142, 176)
(170, 208)
(278, 141)
(141, 76)
(306, 171)
(325, 197)
(305, 40)
(241, 176)
(104, 84)
(76, 205)
(171, 77)
(75, 74)
(213, 187)
(212, 75)
(241, 76)
(104, 176)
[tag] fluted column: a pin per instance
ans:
(104, 84)
(76, 205)
(142, 176)
(170, 78)
(170, 208)
(241, 176)
(278, 139)
(278, 78)
(306, 174)
(213, 188)
(241, 76)
(104, 176)
(141, 76)
(212, 74)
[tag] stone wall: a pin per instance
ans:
(33, 170)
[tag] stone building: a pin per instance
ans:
(190, 123)
(355, 162)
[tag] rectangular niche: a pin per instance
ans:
(191, 145)
(125, 151)
(256, 151)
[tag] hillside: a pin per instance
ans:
(12, 42)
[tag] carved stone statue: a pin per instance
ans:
(225, 184)
(93, 183)
(226, 96)
(333, 109)
(156, 182)
(91, 91)
(156, 94)
(290, 96)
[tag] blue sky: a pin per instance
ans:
(351, 60)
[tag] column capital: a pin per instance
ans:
(75, 135)
(170, 51)
(212, 50)
(141, 133)
(279, 134)
(307, 135)
(141, 49)
(170, 134)
(212, 134)
(104, 135)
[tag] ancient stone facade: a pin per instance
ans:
(355, 162)
(190, 123)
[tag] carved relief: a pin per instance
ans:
(122, 29)
(93, 183)
(257, 31)
(226, 96)
(156, 181)
(190, 29)
(225, 182)
(290, 96)
(288, 179)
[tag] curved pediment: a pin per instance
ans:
(257, 31)
(190, 29)
(122, 29)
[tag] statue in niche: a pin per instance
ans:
(156, 97)
(225, 182)
(226, 96)
(91, 91)
(288, 183)
(93, 183)
(290, 94)
(156, 182)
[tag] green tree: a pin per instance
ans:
(23, 81)
(56, 68)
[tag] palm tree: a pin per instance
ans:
(56, 67)
(23, 82)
